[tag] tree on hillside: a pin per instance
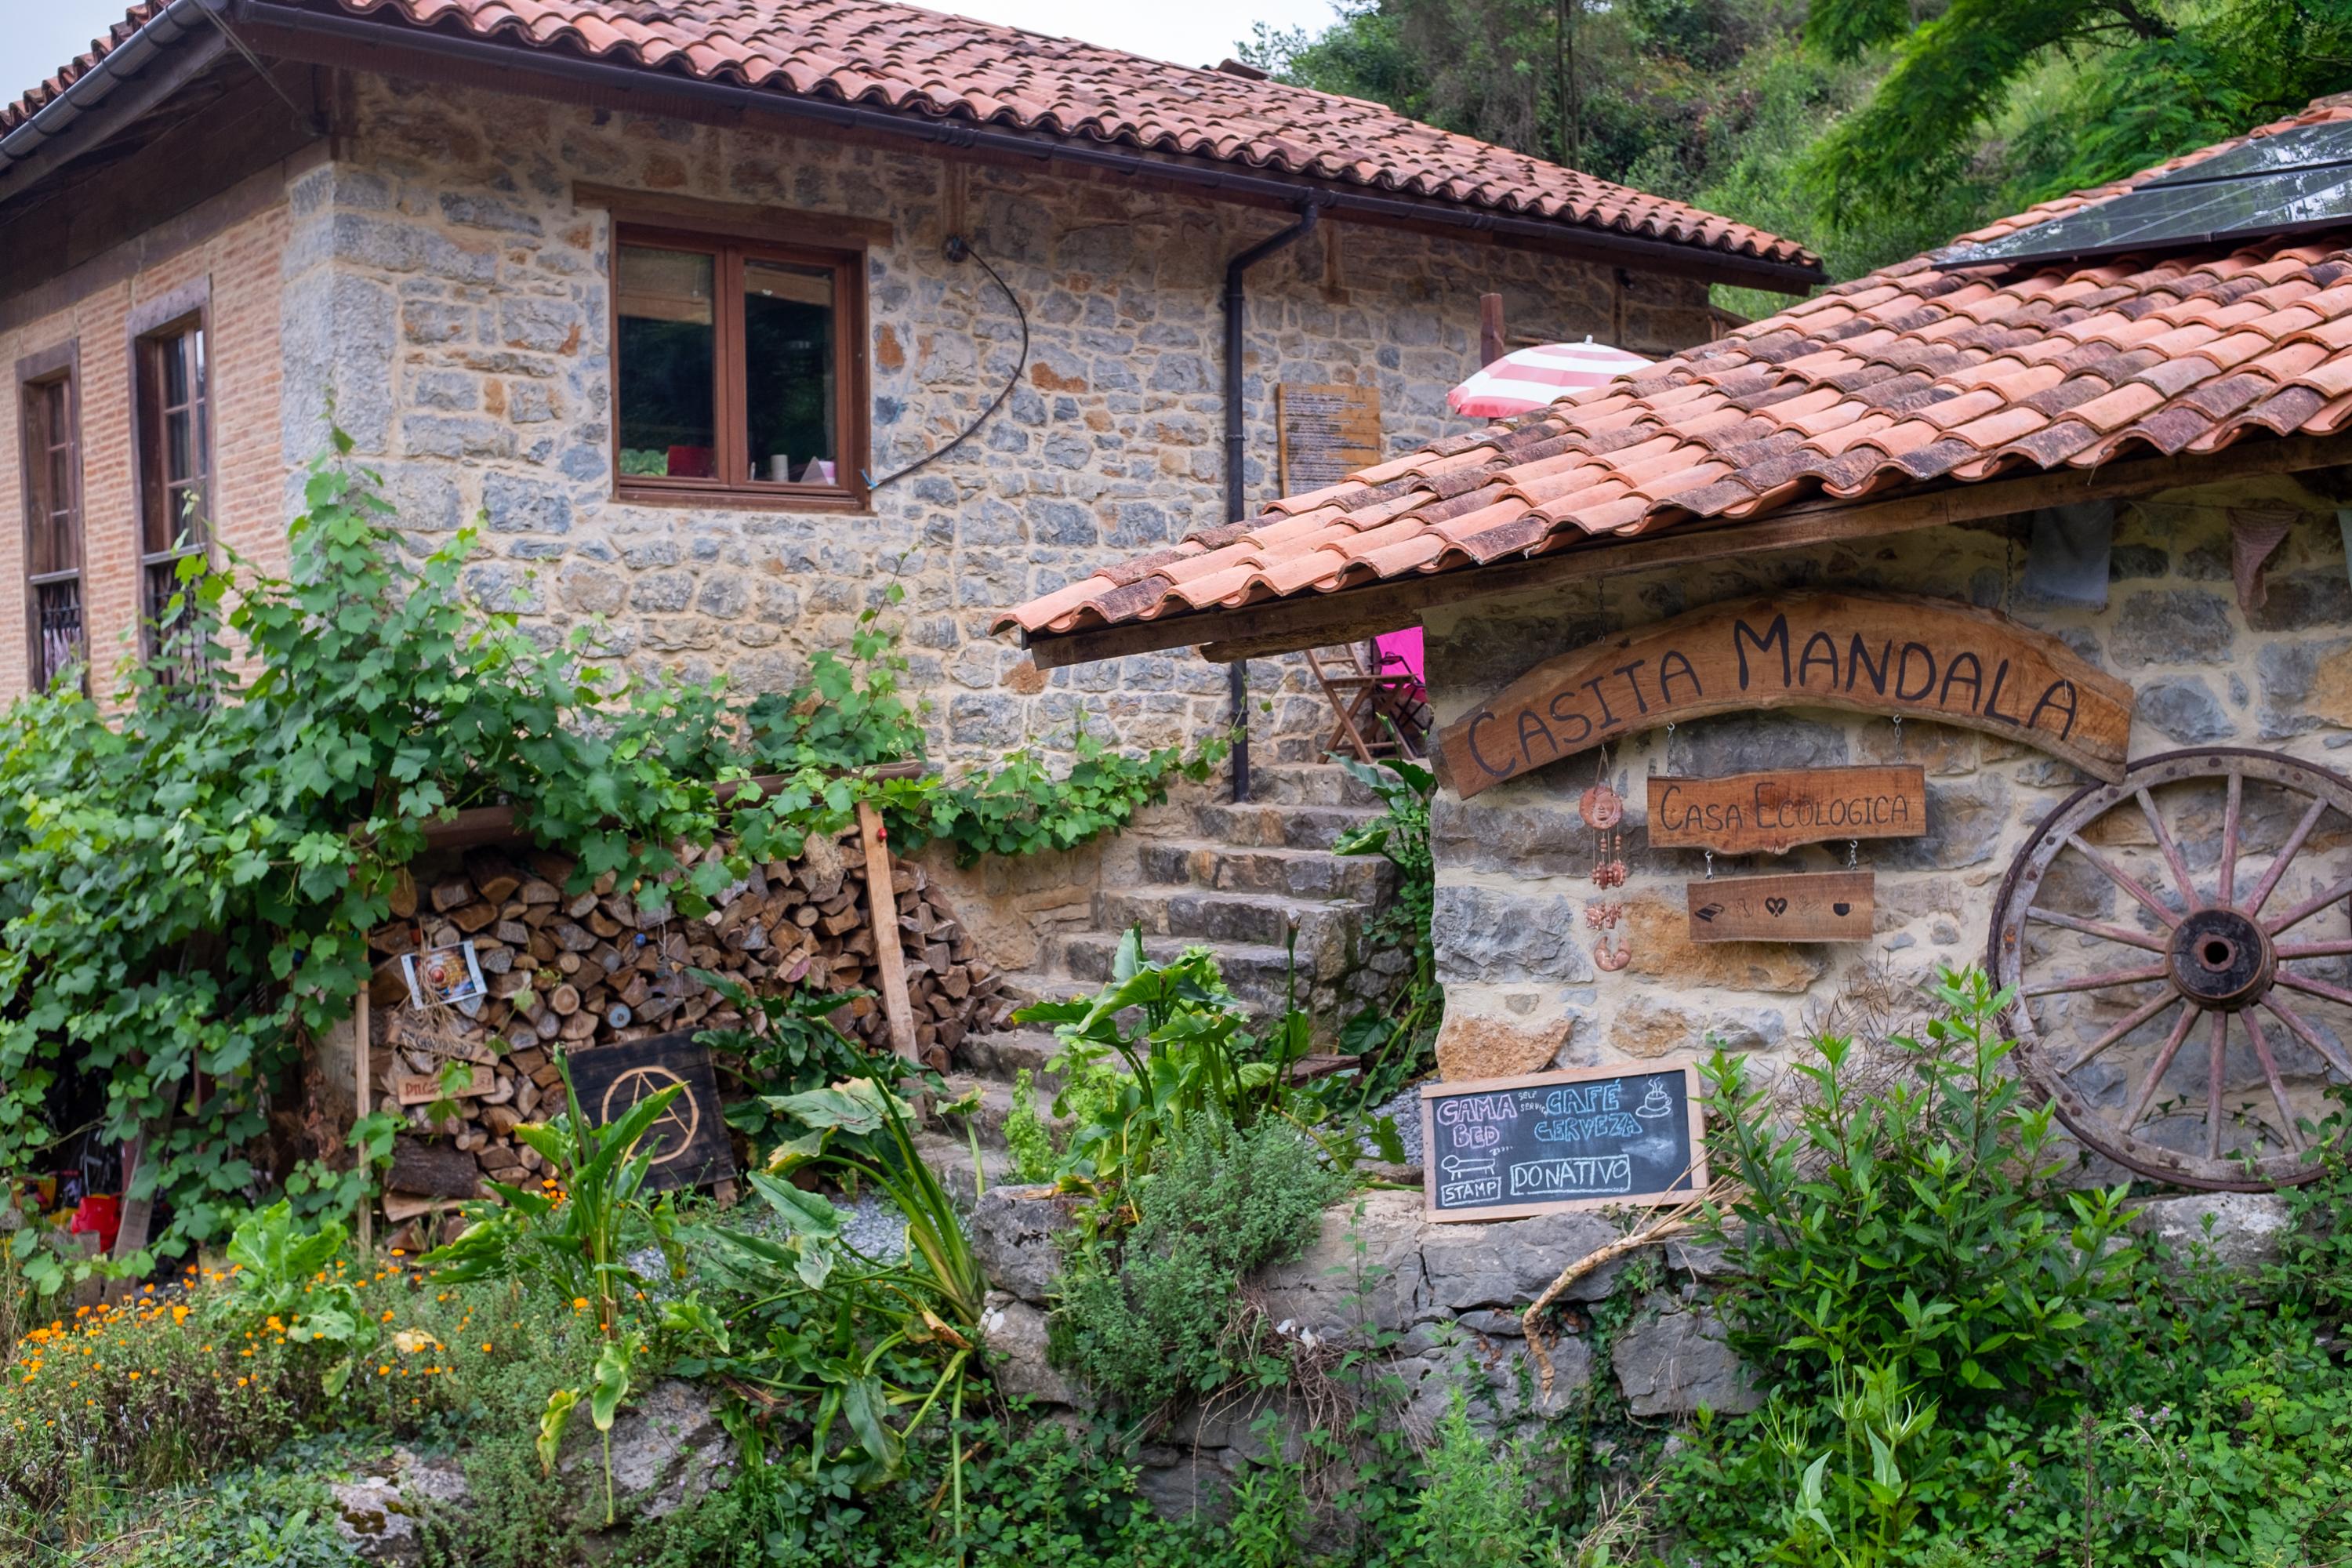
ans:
(2148, 81)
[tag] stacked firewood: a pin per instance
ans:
(568, 972)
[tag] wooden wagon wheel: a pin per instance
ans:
(2178, 945)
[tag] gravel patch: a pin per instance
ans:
(1406, 1107)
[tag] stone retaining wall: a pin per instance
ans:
(1449, 1299)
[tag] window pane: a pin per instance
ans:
(175, 373)
(668, 362)
(179, 448)
(788, 330)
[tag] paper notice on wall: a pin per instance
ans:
(1326, 433)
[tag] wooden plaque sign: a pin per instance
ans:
(1328, 433)
(689, 1142)
(1502, 1148)
(1829, 906)
(1871, 653)
(1769, 813)
(425, 1087)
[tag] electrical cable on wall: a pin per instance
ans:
(960, 250)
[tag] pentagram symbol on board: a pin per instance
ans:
(672, 1134)
(688, 1142)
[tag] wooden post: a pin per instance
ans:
(1490, 329)
(362, 1071)
(882, 907)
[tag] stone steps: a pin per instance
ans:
(1260, 919)
(997, 1099)
(1296, 873)
(1238, 883)
(1261, 826)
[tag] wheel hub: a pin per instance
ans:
(2221, 959)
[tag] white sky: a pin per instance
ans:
(39, 35)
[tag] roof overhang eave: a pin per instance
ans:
(1320, 619)
(127, 82)
(279, 28)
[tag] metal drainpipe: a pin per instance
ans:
(1237, 321)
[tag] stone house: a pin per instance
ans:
(2124, 469)
(719, 316)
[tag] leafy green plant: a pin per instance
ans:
(1186, 1052)
(1025, 1133)
(1395, 1040)
(1919, 1228)
(1472, 1506)
(287, 1279)
(928, 1305)
(572, 1239)
(1148, 1315)
(788, 1043)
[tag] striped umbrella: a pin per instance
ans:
(1528, 379)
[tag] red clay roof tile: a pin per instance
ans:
(1908, 376)
(932, 65)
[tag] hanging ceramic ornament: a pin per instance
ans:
(1603, 810)
(1604, 917)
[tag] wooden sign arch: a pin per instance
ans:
(1926, 659)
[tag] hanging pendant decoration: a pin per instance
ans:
(1604, 917)
(1603, 811)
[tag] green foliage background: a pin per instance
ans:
(1869, 130)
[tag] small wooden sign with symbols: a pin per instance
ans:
(688, 1144)
(425, 1087)
(1829, 906)
(1770, 813)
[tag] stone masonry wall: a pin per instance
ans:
(1514, 863)
(454, 302)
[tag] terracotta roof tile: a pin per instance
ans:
(1909, 377)
(930, 66)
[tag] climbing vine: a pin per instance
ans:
(187, 883)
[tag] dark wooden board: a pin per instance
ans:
(689, 1143)
(1328, 433)
(1870, 653)
(1822, 906)
(1769, 813)
(1586, 1138)
(432, 1170)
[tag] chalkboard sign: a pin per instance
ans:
(1501, 1148)
(689, 1144)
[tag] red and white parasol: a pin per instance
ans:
(1528, 379)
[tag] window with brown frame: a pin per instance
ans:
(171, 363)
(50, 414)
(740, 371)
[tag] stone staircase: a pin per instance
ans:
(1232, 879)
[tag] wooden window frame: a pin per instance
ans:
(734, 489)
(36, 373)
(151, 323)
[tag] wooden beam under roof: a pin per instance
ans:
(1318, 619)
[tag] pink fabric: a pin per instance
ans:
(1528, 379)
(1401, 648)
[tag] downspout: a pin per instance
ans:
(1236, 498)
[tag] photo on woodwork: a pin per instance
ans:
(443, 976)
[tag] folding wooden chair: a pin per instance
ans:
(1381, 707)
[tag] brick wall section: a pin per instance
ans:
(248, 486)
(442, 284)
(1514, 861)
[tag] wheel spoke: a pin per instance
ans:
(2124, 879)
(2310, 907)
(2220, 1049)
(2339, 948)
(2293, 847)
(2170, 852)
(2097, 982)
(2278, 1085)
(2156, 1071)
(2123, 934)
(2132, 1020)
(2303, 1031)
(2230, 836)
